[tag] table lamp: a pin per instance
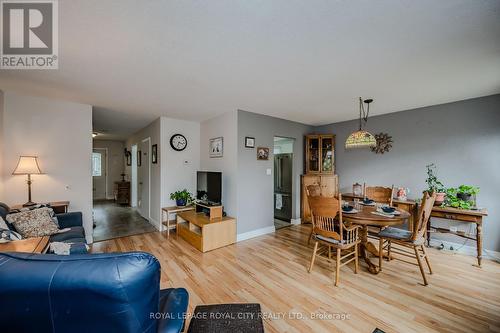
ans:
(28, 165)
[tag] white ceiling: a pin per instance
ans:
(306, 61)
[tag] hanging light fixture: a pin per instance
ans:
(361, 138)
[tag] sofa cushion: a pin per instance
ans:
(73, 235)
(33, 223)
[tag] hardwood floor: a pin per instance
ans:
(271, 270)
(113, 220)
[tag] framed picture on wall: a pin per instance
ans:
(249, 142)
(216, 147)
(128, 157)
(154, 154)
(139, 158)
(262, 153)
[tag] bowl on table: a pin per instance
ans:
(347, 208)
(367, 201)
(388, 210)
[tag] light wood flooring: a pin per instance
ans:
(271, 270)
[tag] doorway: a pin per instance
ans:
(283, 181)
(144, 178)
(99, 173)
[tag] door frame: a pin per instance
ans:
(293, 193)
(105, 174)
(148, 159)
(133, 180)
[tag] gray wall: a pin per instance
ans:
(461, 138)
(226, 126)
(255, 188)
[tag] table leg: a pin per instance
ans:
(479, 242)
(168, 224)
(367, 246)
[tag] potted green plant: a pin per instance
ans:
(182, 198)
(465, 192)
(434, 185)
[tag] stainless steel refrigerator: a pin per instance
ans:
(283, 164)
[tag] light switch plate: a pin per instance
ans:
(268, 171)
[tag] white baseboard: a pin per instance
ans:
(295, 221)
(155, 223)
(255, 233)
(465, 249)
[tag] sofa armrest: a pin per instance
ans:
(173, 307)
(67, 220)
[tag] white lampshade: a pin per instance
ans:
(27, 165)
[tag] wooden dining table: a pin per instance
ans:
(366, 217)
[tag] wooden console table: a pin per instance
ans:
(461, 215)
(167, 222)
(204, 233)
(58, 206)
(29, 245)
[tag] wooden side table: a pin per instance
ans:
(30, 245)
(165, 217)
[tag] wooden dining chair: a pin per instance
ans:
(312, 191)
(379, 193)
(408, 239)
(331, 233)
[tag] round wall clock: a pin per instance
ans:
(178, 142)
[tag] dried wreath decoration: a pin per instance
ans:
(384, 143)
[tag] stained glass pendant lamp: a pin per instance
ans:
(361, 138)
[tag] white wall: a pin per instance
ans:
(178, 168)
(225, 125)
(151, 131)
(60, 134)
(115, 162)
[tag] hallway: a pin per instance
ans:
(113, 220)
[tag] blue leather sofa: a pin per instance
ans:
(117, 292)
(72, 220)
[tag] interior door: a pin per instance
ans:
(99, 174)
(143, 179)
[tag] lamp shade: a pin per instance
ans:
(360, 139)
(27, 165)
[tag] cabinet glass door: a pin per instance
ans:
(313, 147)
(327, 155)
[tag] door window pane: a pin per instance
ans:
(96, 164)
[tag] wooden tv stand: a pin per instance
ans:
(206, 233)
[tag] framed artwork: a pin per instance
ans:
(139, 158)
(128, 156)
(249, 142)
(154, 154)
(262, 153)
(216, 147)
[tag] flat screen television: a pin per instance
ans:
(209, 187)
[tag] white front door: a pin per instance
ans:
(99, 173)
(143, 170)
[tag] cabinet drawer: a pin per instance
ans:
(455, 216)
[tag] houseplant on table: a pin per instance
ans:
(182, 198)
(434, 185)
(463, 197)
